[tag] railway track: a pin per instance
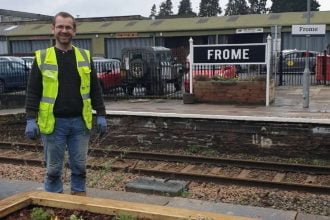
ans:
(307, 178)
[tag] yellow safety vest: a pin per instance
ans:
(46, 60)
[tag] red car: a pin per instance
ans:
(109, 74)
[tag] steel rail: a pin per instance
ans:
(248, 164)
(190, 176)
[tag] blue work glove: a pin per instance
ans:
(31, 130)
(101, 123)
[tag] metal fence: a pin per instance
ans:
(290, 67)
(13, 82)
(169, 80)
(141, 80)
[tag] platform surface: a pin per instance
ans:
(9, 188)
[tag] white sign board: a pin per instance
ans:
(308, 29)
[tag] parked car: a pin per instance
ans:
(16, 59)
(99, 58)
(12, 58)
(28, 61)
(13, 76)
(293, 61)
(109, 74)
(152, 68)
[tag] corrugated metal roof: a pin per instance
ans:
(183, 24)
(24, 14)
(203, 20)
(106, 24)
(5, 28)
(131, 23)
(305, 15)
(232, 18)
(274, 16)
(37, 27)
(158, 22)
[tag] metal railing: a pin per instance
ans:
(169, 80)
(291, 66)
(142, 80)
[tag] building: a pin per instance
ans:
(10, 16)
(107, 36)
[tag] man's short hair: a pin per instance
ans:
(64, 15)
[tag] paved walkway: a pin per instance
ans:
(288, 106)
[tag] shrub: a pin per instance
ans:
(202, 77)
(40, 214)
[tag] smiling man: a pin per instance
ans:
(64, 29)
(62, 90)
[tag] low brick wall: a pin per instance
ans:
(233, 92)
(226, 136)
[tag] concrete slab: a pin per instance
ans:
(128, 196)
(229, 209)
(12, 187)
(287, 108)
(156, 186)
(311, 217)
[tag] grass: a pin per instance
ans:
(184, 193)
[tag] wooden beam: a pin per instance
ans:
(14, 203)
(105, 206)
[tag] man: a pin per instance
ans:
(62, 90)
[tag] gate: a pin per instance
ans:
(290, 67)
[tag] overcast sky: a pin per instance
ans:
(103, 8)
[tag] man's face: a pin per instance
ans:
(63, 30)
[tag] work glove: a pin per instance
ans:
(101, 123)
(31, 130)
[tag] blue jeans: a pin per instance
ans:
(71, 134)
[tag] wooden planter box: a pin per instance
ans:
(233, 92)
(103, 206)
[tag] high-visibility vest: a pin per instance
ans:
(47, 63)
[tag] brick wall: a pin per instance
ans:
(228, 136)
(238, 92)
(263, 138)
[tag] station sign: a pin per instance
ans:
(308, 29)
(230, 54)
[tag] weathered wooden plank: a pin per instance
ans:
(105, 206)
(310, 179)
(14, 203)
(278, 177)
(243, 174)
(187, 169)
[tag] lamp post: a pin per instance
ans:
(306, 76)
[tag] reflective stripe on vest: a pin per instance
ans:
(47, 63)
(45, 66)
(48, 100)
(86, 60)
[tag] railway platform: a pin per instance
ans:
(287, 107)
(10, 187)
